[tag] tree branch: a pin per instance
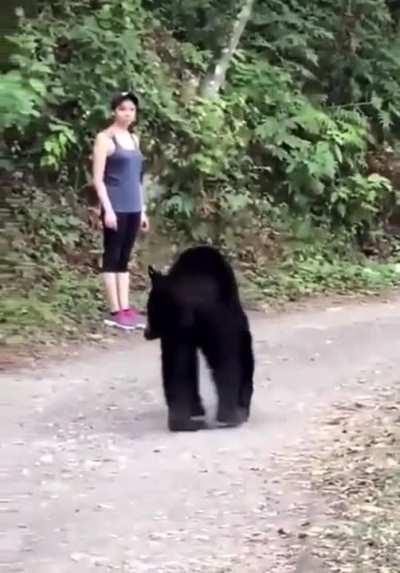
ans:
(214, 80)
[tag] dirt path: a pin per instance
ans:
(94, 482)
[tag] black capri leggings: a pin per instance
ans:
(118, 243)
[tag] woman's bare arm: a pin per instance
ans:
(100, 152)
(99, 161)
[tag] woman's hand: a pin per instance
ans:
(110, 220)
(144, 223)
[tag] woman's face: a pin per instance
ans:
(125, 113)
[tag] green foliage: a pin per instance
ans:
(360, 199)
(26, 312)
(281, 128)
(316, 269)
(83, 56)
(57, 144)
(47, 229)
(204, 23)
(312, 92)
(20, 99)
(44, 294)
(310, 150)
(346, 52)
(69, 302)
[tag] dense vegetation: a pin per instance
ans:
(288, 159)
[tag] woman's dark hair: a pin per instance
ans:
(124, 96)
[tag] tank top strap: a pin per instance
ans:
(114, 140)
(135, 143)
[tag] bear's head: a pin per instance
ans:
(165, 312)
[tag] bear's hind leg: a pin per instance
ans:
(197, 408)
(247, 369)
(221, 348)
(227, 381)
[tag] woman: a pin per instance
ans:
(117, 169)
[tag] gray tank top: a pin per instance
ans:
(122, 178)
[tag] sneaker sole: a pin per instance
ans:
(109, 322)
(139, 325)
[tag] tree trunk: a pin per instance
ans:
(214, 80)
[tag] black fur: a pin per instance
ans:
(197, 306)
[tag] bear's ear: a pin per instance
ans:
(153, 274)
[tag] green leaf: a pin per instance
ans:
(376, 101)
(38, 86)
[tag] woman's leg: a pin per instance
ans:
(122, 281)
(112, 241)
(130, 222)
(111, 288)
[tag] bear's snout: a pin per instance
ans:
(149, 334)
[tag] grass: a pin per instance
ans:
(72, 303)
(316, 270)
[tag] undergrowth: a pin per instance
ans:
(54, 291)
(321, 270)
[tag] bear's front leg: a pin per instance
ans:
(179, 368)
(179, 423)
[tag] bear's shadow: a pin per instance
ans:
(153, 418)
(126, 414)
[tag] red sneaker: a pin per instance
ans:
(120, 320)
(135, 318)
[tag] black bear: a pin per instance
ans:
(196, 305)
